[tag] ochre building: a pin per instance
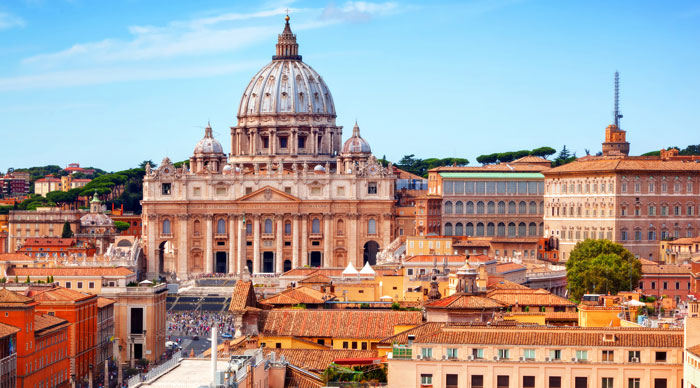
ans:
(289, 194)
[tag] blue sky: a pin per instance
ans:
(111, 83)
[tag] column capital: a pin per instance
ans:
(208, 217)
(183, 217)
(152, 216)
(387, 216)
(354, 216)
(327, 216)
(279, 217)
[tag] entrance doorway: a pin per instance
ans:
(161, 257)
(370, 253)
(268, 262)
(220, 262)
(138, 351)
(315, 259)
(249, 264)
(287, 265)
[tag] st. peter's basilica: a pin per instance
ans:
(286, 196)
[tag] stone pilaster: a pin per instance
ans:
(279, 241)
(327, 238)
(256, 244)
(183, 249)
(295, 241)
(232, 256)
(304, 240)
(209, 254)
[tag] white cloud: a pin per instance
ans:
(359, 11)
(8, 21)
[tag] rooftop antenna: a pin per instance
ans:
(617, 115)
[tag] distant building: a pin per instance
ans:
(49, 247)
(73, 168)
(47, 184)
(14, 184)
(43, 222)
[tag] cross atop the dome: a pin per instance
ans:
(287, 47)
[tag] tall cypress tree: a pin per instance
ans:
(67, 232)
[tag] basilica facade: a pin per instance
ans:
(289, 194)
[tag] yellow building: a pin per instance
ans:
(85, 279)
(418, 245)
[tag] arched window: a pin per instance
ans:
(501, 229)
(491, 207)
(459, 229)
(541, 207)
(469, 229)
(470, 207)
(533, 207)
(511, 207)
(372, 226)
(448, 229)
(268, 226)
(197, 227)
(479, 207)
(511, 229)
(480, 229)
(166, 227)
(501, 207)
(522, 230)
(221, 226)
(340, 228)
(287, 228)
(459, 207)
(490, 229)
(448, 207)
(532, 229)
(315, 226)
(522, 207)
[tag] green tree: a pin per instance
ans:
(121, 225)
(143, 164)
(601, 267)
(543, 152)
(487, 159)
(67, 232)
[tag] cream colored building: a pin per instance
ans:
(44, 222)
(419, 245)
(288, 195)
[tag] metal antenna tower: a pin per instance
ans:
(617, 115)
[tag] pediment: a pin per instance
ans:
(268, 194)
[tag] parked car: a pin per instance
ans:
(226, 335)
(195, 338)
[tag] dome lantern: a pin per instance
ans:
(287, 46)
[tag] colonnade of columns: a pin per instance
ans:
(237, 236)
(247, 141)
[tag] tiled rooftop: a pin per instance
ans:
(78, 271)
(465, 301)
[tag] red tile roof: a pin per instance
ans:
(439, 258)
(667, 269)
(9, 298)
(47, 323)
(498, 283)
(622, 164)
(299, 295)
(509, 267)
(695, 350)
(418, 331)
(316, 279)
(7, 330)
(529, 297)
(317, 360)
(243, 296)
(69, 271)
(360, 324)
(59, 294)
(466, 302)
(103, 302)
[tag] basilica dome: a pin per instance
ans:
(208, 145)
(286, 85)
(356, 144)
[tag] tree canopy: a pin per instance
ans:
(565, 156)
(507, 157)
(689, 150)
(601, 267)
(67, 232)
(121, 225)
(420, 167)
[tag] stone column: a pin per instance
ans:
(152, 255)
(273, 141)
(295, 241)
(209, 256)
(304, 240)
(386, 230)
(232, 256)
(314, 141)
(294, 141)
(327, 238)
(256, 244)
(278, 240)
(241, 243)
(183, 252)
(353, 232)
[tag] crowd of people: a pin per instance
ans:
(193, 323)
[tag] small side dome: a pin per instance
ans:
(319, 168)
(356, 144)
(208, 145)
(227, 169)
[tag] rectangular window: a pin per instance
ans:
(502, 381)
(451, 381)
(136, 320)
(554, 381)
(459, 187)
(480, 187)
(301, 142)
(165, 189)
(91, 285)
(582, 354)
(503, 354)
(581, 382)
(660, 357)
(345, 344)
(478, 354)
(447, 187)
(283, 141)
(452, 353)
(354, 344)
(80, 284)
(426, 352)
(660, 383)
(607, 382)
(68, 284)
(372, 188)
(555, 354)
(426, 379)
(529, 354)
(624, 187)
(633, 382)
(529, 382)
(608, 355)
(477, 381)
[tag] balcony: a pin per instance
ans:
(220, 236)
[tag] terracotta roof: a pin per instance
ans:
(15, 257)
(316, 279)
(647, 261)
(465, 301)
(46, 322)
(243, 296)
(533, 159)
(561, 316)
(439, 258)
(297, 295)
(531, 240)
(510, 267)
(555, 336)
(498, 283)
(59, 294)
(471, 243)
(317, 360)
(500, 167)
(103, 302)
(529, 298)
(48, 241)
(620, 164)
(683, 269)
(695, 350)
(402, 174)
(335, 272)
(420, 330)
(360, 324)
(70, 271)
(299, 379)
(10, 298)
(480, 258)
(7, 330)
